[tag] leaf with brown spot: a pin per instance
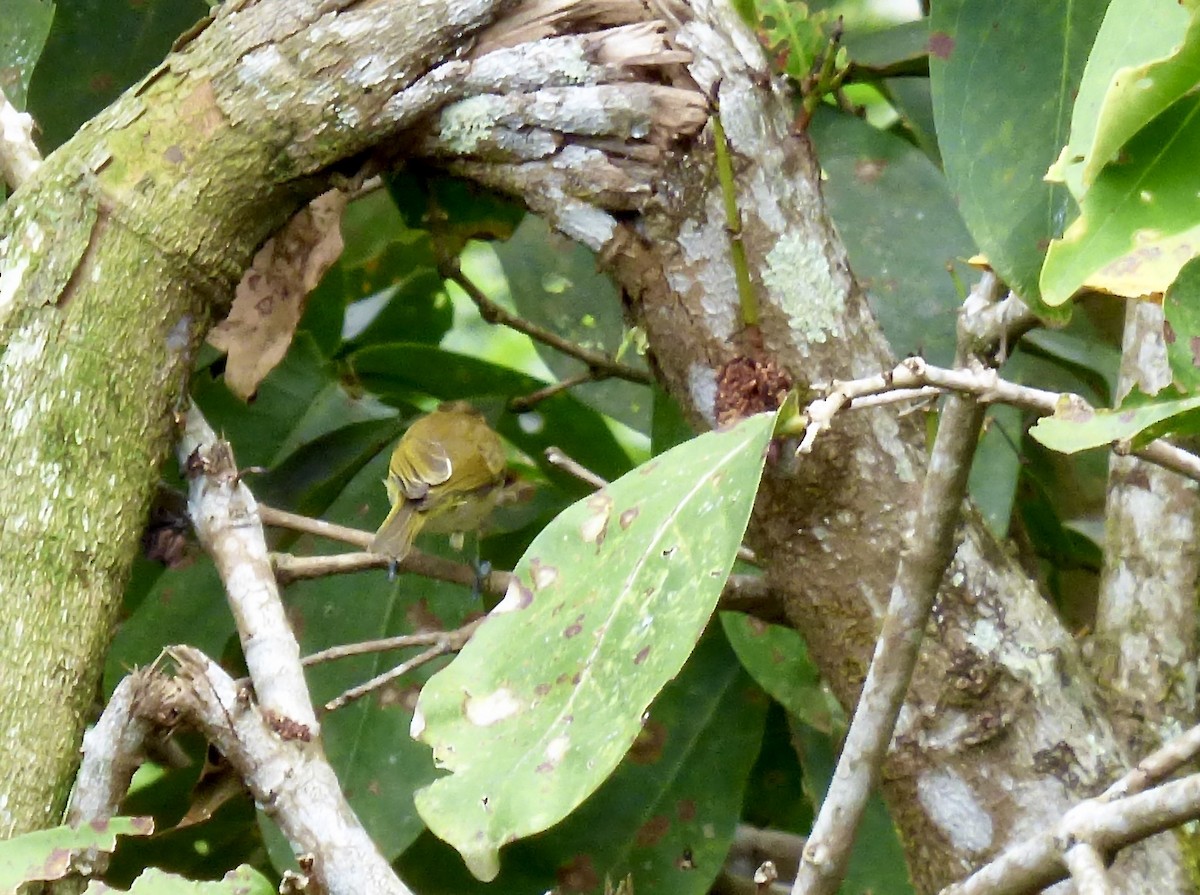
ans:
(641, 585)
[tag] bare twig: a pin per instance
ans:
(387, 644)
(923, 562)
(19, 156)
(600, 364)
(112, 750)
(1087, 870)
(225, 516)
(523, 403)
(557, 457)
(449, 642)
(913, 377)
(1156, 766)
(307, 525)
(290, 568)
(927, 552)
(1037, 862)
(289, 778)
(989, 327)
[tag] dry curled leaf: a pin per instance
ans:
(270, 298)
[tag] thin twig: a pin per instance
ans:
(388, 644)
(1087, 870)
(986, 385)
(1037, 862)
(1156, 766)
(923, 563)
(598, 362)
(528, 402)
(289, 568)
(558, 458)
(449, 642)
(308, 525)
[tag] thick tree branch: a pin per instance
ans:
(1145, 629)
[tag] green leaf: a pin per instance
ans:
(660, 807)
(1145, 58)
(96, 49)
(1140, 221)
(792, 34)
(26, 26)
(997, 466)
(313, 475)
(1181, 306)
(1071, 429)
(777, 659)
(1004, 76)
(407, 299)
(901, 228)
(900, 50)
(610, 599)
(46, 854)
(242, 881)
(456, 210)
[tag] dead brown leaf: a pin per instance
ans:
(271, 296)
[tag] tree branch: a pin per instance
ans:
(923, 562)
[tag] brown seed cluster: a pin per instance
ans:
(746, 386)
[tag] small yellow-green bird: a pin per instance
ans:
(445, 475)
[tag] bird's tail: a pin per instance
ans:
(395, 537)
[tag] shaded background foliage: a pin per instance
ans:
(383, 338)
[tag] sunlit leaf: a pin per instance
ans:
(46, 854)
(1145, 58)
(1140, 221)
(1074, 429)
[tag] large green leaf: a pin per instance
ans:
(663, 818)
(22, 36)
(1138, 418)
(901, 228)
(1140, 221)
(542, 704)
(1004, 76)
